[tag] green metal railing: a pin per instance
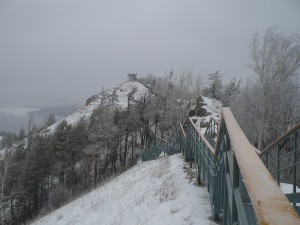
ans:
(182, 139)
(204, 159)
(242, 191)
(157, 145)
(230, 196)
(220, 173)
(212, 131)
(153, 147)
(282, 158)
(173, 143)
(241, 188)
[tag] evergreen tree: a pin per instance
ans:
(214, 89)
(51, 120)
(21, 135)
(231, 91)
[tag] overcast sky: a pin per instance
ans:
(63, 51)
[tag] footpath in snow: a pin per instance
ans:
(158, 192)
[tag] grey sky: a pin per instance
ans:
(63, 51)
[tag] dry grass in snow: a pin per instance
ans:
(157, 192)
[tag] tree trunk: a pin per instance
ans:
(132, 147)
(96, 171)
(125, 147)
(36, 200)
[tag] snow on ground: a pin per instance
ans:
(158, 192)
(12, 149)
(288, 189)
(122, 92)
(213, 106)
(74, 118)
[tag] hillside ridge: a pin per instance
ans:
(121, 92)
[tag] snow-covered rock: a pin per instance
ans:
(213, 107)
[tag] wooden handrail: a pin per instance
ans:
(282, 137)
(161, 139)
(270, 204)
(212, 150)
(182, 129)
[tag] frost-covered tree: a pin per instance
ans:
(269, 103)
(22, 134)
(231, 91)
(187, 86)
(51, 120)
(171, 97)
(214, 89)
(7, 177)
(9, 139)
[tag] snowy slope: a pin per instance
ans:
(288, 189)
(157, 192)
(214, 107)
(122, 92)
(125, 88)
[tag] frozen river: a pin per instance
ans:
(13, 118)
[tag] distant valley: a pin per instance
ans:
(12, 118)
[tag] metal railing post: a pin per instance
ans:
(278, 165)
(199, 164)
(235, 185)
(295, 167)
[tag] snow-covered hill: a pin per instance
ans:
(122, 91)
(158, 192)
